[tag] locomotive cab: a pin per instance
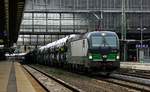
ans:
(103, 51)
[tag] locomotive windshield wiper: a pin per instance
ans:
(105, 42)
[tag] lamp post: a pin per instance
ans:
(141, 52)
(123, 29)
(141, 30)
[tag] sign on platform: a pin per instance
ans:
(142, 46)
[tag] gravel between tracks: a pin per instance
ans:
(85, 83)
(49, 83)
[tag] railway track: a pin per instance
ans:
(136, 83)
(135, 73)
(123, 81)
(140, 75)
(47, 81)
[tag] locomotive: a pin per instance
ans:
(96, 51)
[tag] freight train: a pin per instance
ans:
(96, 51)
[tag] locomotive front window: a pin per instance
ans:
(111, 41)
(96, 41)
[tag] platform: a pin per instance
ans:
(4, 75)
(14, 78)
(135, 65)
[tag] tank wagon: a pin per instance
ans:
(93, 51)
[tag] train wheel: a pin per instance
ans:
(87, 70)
(65, 66)
(75, 68)
(72, 67)
(82, 68)
(69, 67)
(108, 74)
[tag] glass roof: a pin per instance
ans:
(49, 16)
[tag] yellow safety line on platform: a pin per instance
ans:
(23, 84)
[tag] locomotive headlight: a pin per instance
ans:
(103, 34)
(117, 57)
(104, 56)
(90, 57)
